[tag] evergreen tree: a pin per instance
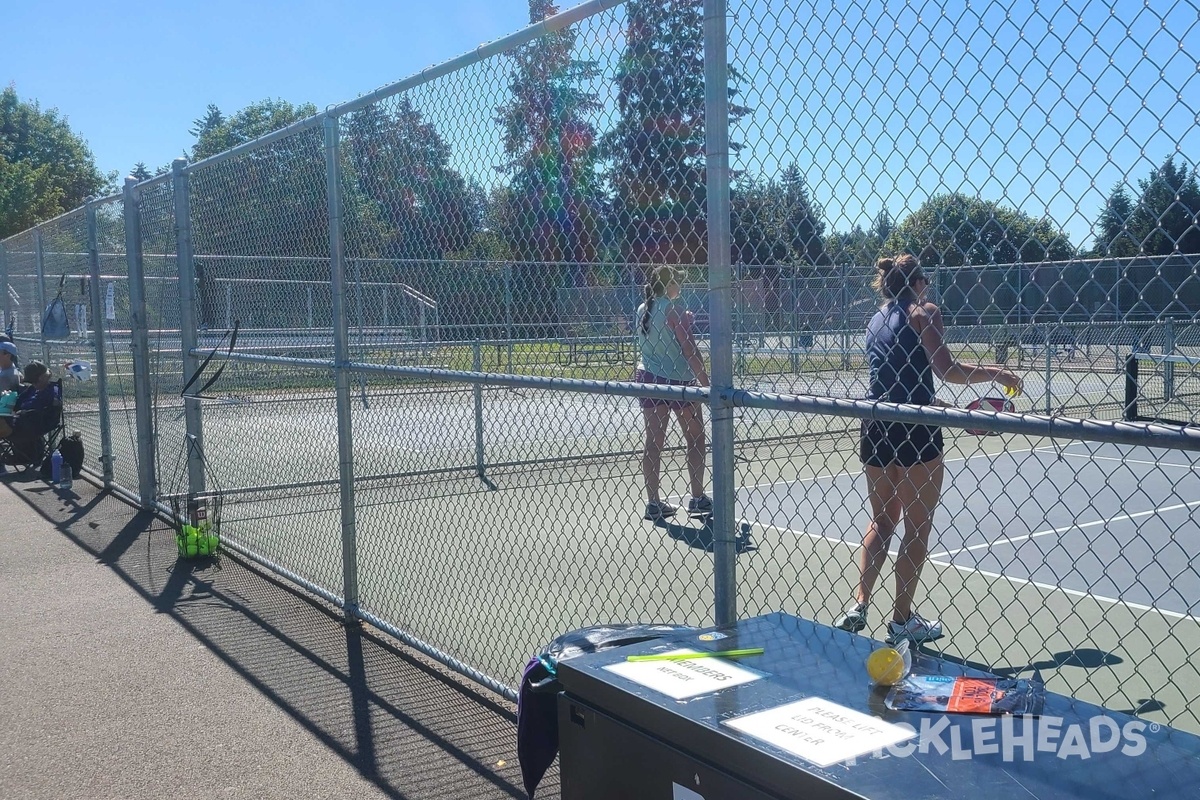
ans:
(400, 167)
(1165, 219)
(549, 148)
(1114, 237)
(655, 152)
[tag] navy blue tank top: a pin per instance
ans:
(900, 369)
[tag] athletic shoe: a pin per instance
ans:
(854, 620)
(700, 506)
(917, 630)
(658, 510)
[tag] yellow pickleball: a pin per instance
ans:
(886, 666)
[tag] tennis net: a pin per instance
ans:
(1162, 388)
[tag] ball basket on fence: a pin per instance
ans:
(199, 531)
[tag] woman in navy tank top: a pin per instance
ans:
(903, 463)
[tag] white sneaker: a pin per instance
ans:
(657, 510)
(916, 630)
(854, 620)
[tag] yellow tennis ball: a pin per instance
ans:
(214, 542)
(886, 666)
(191, 550)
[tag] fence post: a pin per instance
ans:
(845, 316)
(6, 301)
(139, 344)
(99, 338)
(1168, 365)
(193, 412)
(508, 313)
(716, 147)
(40, 262)
(341, 356)
(1049, 367)
(477, 366)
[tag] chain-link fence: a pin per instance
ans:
(430, 414)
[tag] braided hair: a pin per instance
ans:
(656, 287)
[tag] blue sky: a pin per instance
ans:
(1042, 107)
(132, 75)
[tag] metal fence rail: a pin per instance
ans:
(430, 416)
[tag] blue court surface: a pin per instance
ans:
(1113, 522)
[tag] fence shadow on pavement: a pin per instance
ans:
(405, 725)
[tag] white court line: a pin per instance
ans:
(1064, 529)
(1191, 467)
(1049, 587)
(856, 472)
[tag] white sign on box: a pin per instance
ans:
(820, 731)
(680, 680)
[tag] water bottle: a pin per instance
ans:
(56, 465)
(67, 474)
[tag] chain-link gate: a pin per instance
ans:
(439, 291)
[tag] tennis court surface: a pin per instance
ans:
(1114, 522)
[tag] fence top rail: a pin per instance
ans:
(1144, 434)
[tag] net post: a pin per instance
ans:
(341, 355)
(1131, 388)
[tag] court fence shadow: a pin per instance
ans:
(417, 731)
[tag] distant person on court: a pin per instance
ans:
(903, 463)
(669, 355)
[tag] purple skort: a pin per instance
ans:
(641, 376)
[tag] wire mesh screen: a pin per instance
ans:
(260, 235)
(522, 234)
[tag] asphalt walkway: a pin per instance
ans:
(130, 674)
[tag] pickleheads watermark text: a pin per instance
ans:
(1022, 738)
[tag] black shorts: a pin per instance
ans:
(885, 443)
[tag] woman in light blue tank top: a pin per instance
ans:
(668, 355)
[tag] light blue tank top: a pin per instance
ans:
(661, 354)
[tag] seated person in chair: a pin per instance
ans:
(36, 413)
(10, 376)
